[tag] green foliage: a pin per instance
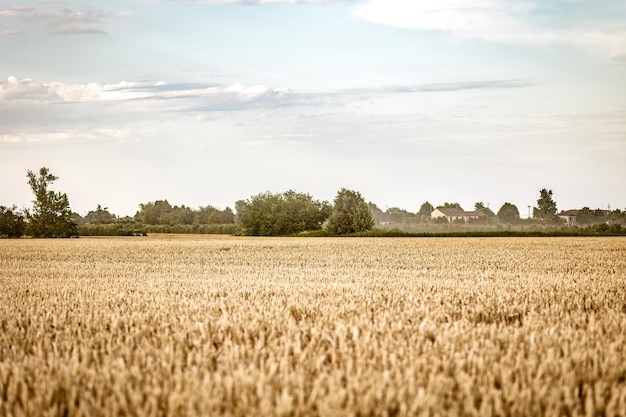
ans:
(400, 216)
(268, 214)
(426, 209)
(51, 215)
(111, 229)
(11, 222)
(350, 214)
(480, 206)
(453, 205)
(212, 215)
(584, 216)
(616, 217)
(154, 212)
(100, 216)
(392, 217)
(161, 212)
(508, 214)
(546, 208)
(374, 209)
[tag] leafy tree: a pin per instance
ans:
(212, 215)
(161, 212)
(488, 218)
(600, 216)
(151, 213)
(426, 209)
(508, 213)
(617, 217)
(303, 212)
(100, 216)
(178, 215)
(268, 214)
(51, 214)
(400, 216)
(584, 216)
(350, 213)
(480, 206)
(546, 207)
(374, 208)
(378, 215)
(453, 205)
(11, 222)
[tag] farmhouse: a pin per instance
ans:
(569, 216)
(453, 213)
(584, 216)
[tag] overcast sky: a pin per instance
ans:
(209, 102)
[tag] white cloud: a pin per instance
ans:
(37, 135)
(521, 22)
(56, 18)
(255, 91)
(25, 102)
(27, 90)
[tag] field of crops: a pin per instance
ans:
(185, 326)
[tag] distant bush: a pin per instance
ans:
(208, 229)
(116, 229)
(135, 229)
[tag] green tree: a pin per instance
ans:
(616, 217)
(268, 214)
(546, 207)
(426, 209)
(11, 222)
(178, 215)
(100, 216)
(480, 206)
(489, 216)
(154, 212)
(378, 215)
(51, 213)
(397, 215)
(508, 213)
(212, 215)
(453, 205)
(584, 216)
(350, 213)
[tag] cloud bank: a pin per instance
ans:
(598, 29)
(22, 90)
(94, 110)
(160, 96)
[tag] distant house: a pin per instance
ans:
(453, 213)
(569, 216)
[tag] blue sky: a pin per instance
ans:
(210, 102)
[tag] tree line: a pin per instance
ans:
(264, 214)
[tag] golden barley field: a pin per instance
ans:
(236, 326)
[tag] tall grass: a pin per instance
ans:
(189, 325)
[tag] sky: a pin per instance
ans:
(406, 101)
